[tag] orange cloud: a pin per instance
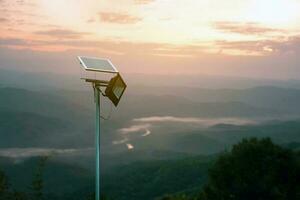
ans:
(261, 47)
(247, 28)
(118, 18)
(2, 19)
(114, 47)
(143, 1)
(62, 33)
(107, 46)
(155, 57)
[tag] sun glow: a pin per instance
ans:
(190, 27)
(66, 13)
(162, 22)
(275, 12)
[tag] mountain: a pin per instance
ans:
(21, 100)
(132, 181)
(147, 180)
(170, 154)
(20, 129)
(280, 132)
(111, 160)
(169, 105)
(32, 119)
(39, 81)
(282, 99)
(60, 180)
(23, 111)
(217, 138)
(65, 119)
(49, 81)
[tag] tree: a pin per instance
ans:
(3, 186)
(6, 192)
(176, 197)
(254, 169)
(38, 183)
(18, 196)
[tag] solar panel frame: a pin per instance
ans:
(95, 69)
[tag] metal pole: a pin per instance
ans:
(97, 101)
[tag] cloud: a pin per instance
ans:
(183, 52)
(142, 2)
(248, 28)
(256, 47)
(20, 2)
(132, 129)
(115, 47)
(13, 41)
(276, 58)
(194, 120)
(118, 18)
(120, 141)
(148, 132)
(2, 19)
(135, 128)
(91, 20)
(22, 153)
(262, 47)
(62, 33)
(26, 3)
(107, 46)
(290, 45)
(144, 124)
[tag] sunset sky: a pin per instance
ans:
(249, 38)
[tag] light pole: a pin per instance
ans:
(114, 89)
(97, 138)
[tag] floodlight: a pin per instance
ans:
(115, 89)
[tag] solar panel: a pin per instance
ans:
(97, 64)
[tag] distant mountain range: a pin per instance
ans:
(174, 130)
(46, 81)
(65, 118)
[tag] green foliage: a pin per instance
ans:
(176, 197)
(38, 183)
(92, 197)
(3, 186)
(254, 169)
(19, 196)
(149, 180)
(3, 183)
(6, 193)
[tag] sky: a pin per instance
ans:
(249, 38)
